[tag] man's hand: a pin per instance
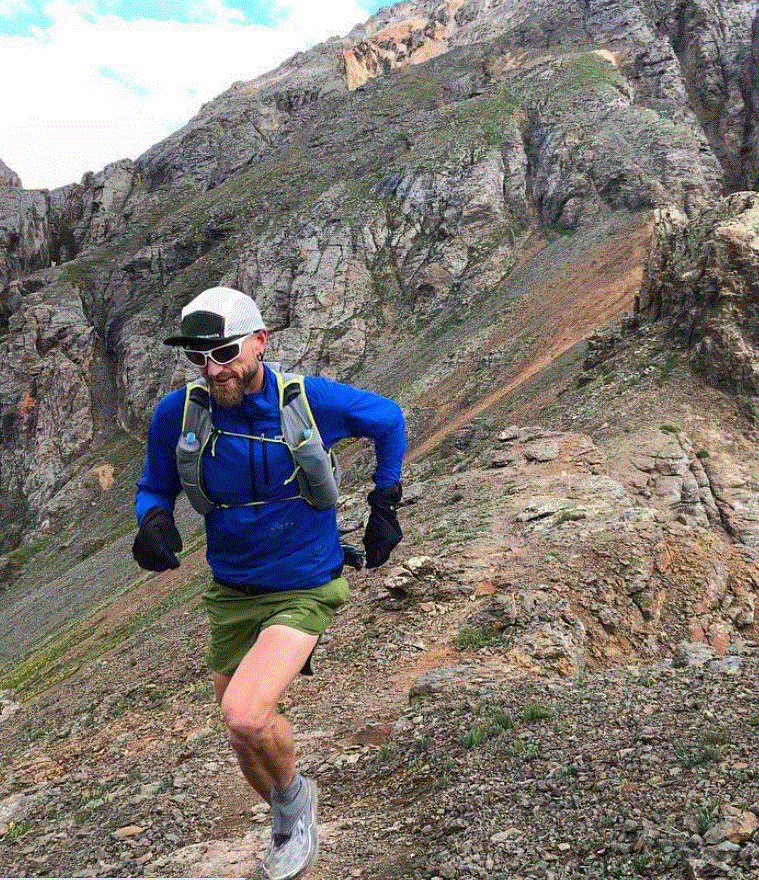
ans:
(157, 541)
(383, 531)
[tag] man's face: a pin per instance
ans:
(228, 383)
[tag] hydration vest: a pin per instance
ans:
(316, 469)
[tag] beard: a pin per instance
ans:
(231, 392)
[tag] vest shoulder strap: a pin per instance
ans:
(294, 411)
(195, 392)
(197, 428)
(318, 469)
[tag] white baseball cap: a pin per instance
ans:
(216, 316)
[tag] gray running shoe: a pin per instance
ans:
(290, 857)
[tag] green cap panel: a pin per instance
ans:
(204, 325)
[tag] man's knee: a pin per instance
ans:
(247, 723)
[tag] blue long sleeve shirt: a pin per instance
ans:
(279, 544)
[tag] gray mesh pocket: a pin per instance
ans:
(316, 468)
(188, 465)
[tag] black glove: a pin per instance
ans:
(157, 541)
(383, 531)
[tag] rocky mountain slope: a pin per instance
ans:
(555, 680)
(531, 223)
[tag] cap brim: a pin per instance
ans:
(200, 344)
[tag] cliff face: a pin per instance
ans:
(372, 194)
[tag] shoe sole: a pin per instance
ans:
(314, 811)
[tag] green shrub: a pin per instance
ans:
(18, 829)
(666, 371)
(481, 733)
(505, 720)
(471, 638)
(525, 748)
(495, 722)
(533, 712)
(705, 821)
(385, 753)
(718, 737)
(690, 758)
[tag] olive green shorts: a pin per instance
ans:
(236, 619)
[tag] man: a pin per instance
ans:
(275, 556)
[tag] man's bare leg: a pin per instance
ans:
(251, 769)
(261, 737)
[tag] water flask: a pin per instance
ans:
(316, 467)
(189, 442)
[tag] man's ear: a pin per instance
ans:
(262, 337)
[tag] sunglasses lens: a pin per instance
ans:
(221, 355)
(195, 357)
(225, 353)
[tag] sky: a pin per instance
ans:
(88, 82)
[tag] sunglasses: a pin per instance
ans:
(222, 355)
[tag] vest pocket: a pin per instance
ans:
(188, 466)
(316, 469)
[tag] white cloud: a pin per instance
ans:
(91, 89)
(215, 11)
(11, 7)
(308, 18)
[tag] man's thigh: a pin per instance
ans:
(275, 659)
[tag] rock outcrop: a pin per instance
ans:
(8, 177)
(24, 237)
(702, 283)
